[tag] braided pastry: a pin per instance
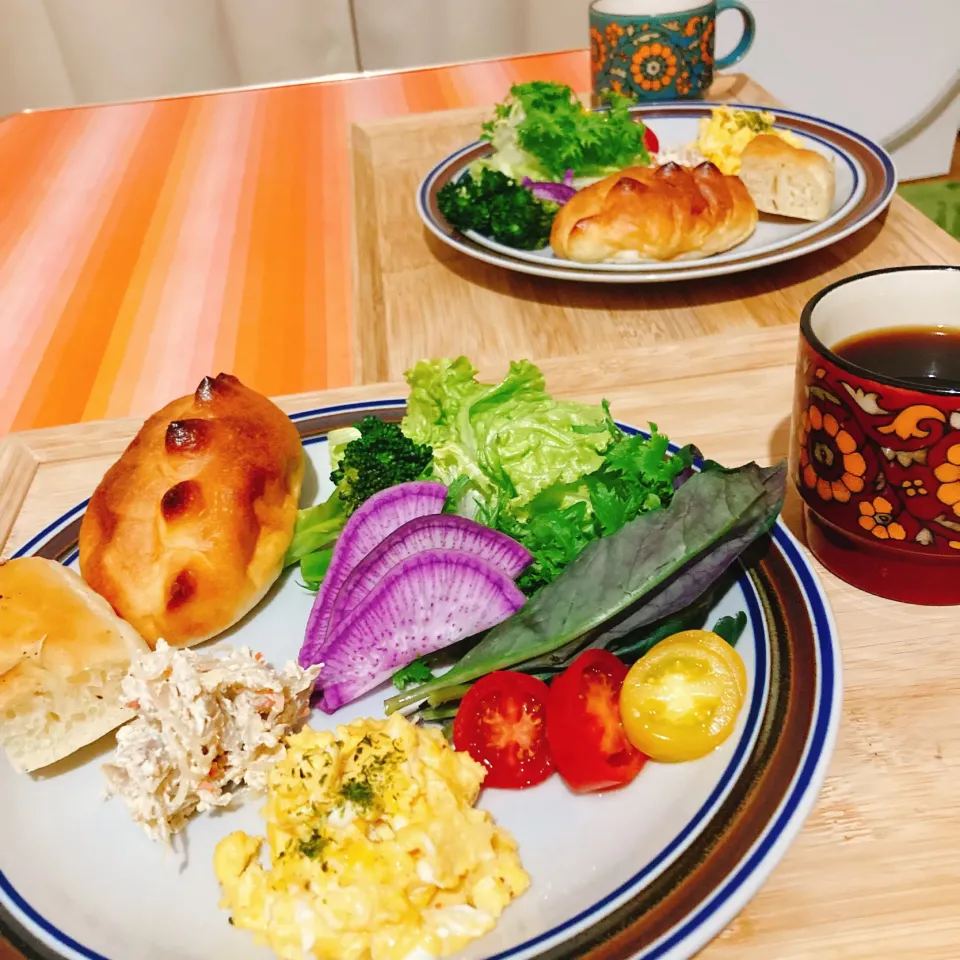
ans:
(655, 213)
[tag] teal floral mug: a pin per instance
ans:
(660, 49)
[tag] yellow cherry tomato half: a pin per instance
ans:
(681, 700)
(717, 643)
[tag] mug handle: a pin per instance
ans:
(746, 40)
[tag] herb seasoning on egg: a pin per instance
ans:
(394, 797)
(313, 846)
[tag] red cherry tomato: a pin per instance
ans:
(501, 723)
(584, 730)
(650, 141)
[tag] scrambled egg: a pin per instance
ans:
(377, 852)
(727, 131)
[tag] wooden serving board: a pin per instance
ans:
(417, 297)
(875, 872)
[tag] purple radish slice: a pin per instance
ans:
(437, 531)
(369, 524)
(421, 605)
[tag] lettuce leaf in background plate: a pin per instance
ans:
(542, 130)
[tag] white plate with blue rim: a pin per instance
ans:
(865, 184)
(651, 871)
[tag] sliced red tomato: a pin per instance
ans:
(501, 723)
(650, 141)
(584, 730)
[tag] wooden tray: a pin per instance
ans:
(874, 873)
(417, 297)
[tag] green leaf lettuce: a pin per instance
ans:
(511, 440)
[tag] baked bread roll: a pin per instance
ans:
(786, 180)
(63, 655)
(187, 530)
(654, 213)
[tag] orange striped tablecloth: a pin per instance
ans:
(145, 245)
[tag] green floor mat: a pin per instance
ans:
(939, 201)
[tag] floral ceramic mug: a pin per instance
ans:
(876, 459)
(660, 49)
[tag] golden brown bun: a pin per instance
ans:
(654, 213)
(187, 530)
(63, 655)
(787, 180)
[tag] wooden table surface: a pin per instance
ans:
(145, 245)
(875, 872)
(417, 297)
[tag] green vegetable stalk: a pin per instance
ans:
(316, 529)
(376, 455)
(313, 568)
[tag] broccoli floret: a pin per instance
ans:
(495, 206)
(380, 457)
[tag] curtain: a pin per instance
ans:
(66, 52)
(414, 32)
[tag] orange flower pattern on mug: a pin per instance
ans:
(598, 50)
(655, 60)
(705, 51)
(876, 516)
(614, 32)
(654, 66)
(913, 488)
(830, 460)
(948, 473)
(877, 461)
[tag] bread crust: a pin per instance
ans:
(655, 213)
(187, 531)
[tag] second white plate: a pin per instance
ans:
(865, 183)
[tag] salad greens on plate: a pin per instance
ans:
(542, 137)
(542, 130)
(669, 557)
(615, 541)
(552, 474)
